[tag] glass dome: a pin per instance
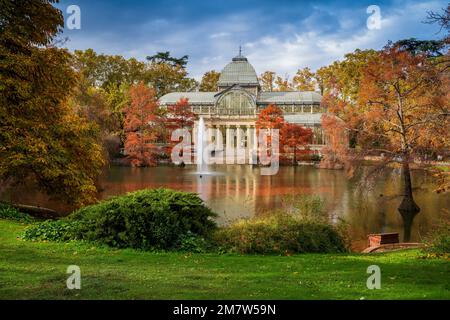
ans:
(239, 71)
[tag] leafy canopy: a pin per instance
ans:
(42, 139)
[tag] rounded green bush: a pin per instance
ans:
(157, 218)
(280, 234)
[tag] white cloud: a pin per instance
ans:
(318, 48)
(326, 35)
(219, 35)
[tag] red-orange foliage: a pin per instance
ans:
(335, 152)
(397, 107)
(401, 110)
(140, 117)
(270, 117)
(403, 100)
(294, 136)
(180, 115)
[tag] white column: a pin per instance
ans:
(209, 148)
(249, 148)
(255, 145)
(219, 145)
(240, 150)
(229, 152)
(194, 134)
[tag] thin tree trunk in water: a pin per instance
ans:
(408, 208)
(295, 158)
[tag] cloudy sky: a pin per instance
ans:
(280, 35)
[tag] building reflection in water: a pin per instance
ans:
(241, 192)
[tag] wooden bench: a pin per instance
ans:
(379, 239)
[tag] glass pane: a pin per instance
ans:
(235, 103)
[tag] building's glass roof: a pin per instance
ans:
(208, 98)
(239, 71)
(194, 97)
(290, 97)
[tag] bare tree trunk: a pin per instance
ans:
(408, 207)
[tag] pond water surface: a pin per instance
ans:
(240, 191)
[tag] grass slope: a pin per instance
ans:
(38, 271)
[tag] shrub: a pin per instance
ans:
(52, 230)
(305, 207)
(440, 244)
(280, 234)
(147, 219)
(10, 213)
(438, 241)
(193, 243)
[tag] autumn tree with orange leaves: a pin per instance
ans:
(270, 117)
(179, 116)
(403, 101)
(44, 142)
(293, 136)
(400, 110)
(141, 118)
(340, 84)
(335, 153)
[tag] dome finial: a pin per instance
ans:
(240, 57)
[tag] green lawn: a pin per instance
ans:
(38, 271)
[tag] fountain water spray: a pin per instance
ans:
(201, 141)
(202, 156)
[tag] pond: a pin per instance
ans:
(240, 191)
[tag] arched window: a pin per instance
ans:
(236, 103)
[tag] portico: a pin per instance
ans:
(234, 141)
